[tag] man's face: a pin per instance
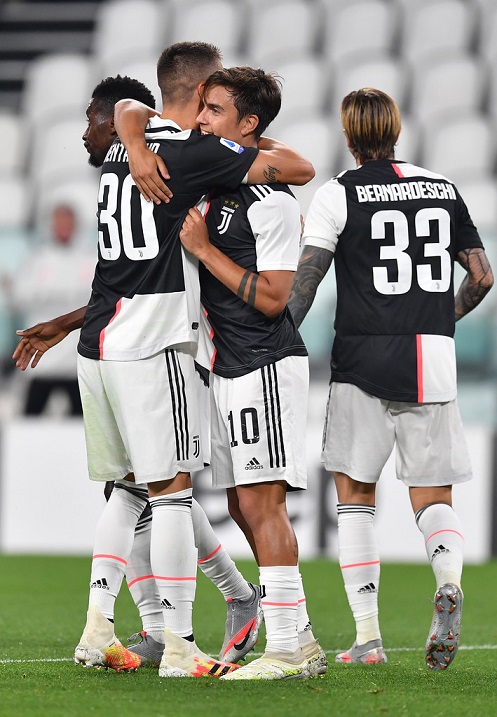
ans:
(99, 134)
(219, 115)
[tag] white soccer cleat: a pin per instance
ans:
(317, 661)
(272, 666)
(182, 658)
(99, 647)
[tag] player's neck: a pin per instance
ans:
(185, 117)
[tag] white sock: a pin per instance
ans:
(214, 561)
(360, 564)
(142, 585)
(444, 542)
(279, 599)
(113, 544)
(304, 626)
(173, 557)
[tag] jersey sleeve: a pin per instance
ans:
(275, 223)
(467, 236)
(326, 217)
(217, 163)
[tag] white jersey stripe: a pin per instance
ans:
(261, 190)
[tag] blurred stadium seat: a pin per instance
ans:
(446, 83)
(281, 27)
(220, 22)
(358, 26)
(436, 26)
(460, 146)
(56, 84)
(12, 147)
(125, 28)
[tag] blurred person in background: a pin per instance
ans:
(58, 271)
(394, 230)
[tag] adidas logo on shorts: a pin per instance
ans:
(253, 465)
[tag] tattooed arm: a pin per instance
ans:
(313, 265)
(266, 291)
(477, 282)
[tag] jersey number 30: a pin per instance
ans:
(149, 243)
(397, 250)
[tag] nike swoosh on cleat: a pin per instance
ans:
(249, 628)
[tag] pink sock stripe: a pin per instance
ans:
(279, 604)
(208, 557)
(112, 557)
(445, 530)
(169, 577)
(137, 580)
(301, 601)
(359, 565)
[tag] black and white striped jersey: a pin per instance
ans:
(258, 227)
(145, 294)
(395, 230)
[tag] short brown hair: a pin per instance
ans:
(181, 67)
(371, 120)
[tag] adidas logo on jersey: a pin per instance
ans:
(253, 465)
(438, 551)
(167, 605)
(100, 583)
(370, 588)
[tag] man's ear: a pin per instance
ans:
(350, 145)
(248, 125)
(112, 127)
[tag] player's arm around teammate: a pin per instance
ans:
(276, 162)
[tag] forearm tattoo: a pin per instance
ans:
(248, 281)
(477, 282)
(313, 265)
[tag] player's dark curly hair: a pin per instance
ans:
(254, 92)
(113, 89)
(184, 65)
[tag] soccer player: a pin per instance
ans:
(243, 611)
(248, 248)
(136, 366)
(395, 231)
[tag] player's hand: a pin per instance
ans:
(149, 172)
(194, 235)
(35, 341)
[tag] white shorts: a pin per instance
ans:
(258, 425)
(361, 430)
(141, 417)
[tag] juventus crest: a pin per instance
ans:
(226, 214)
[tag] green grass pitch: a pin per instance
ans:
(42, 613)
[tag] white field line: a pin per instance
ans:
(255, 654)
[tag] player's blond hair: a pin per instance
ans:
(371, 121)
